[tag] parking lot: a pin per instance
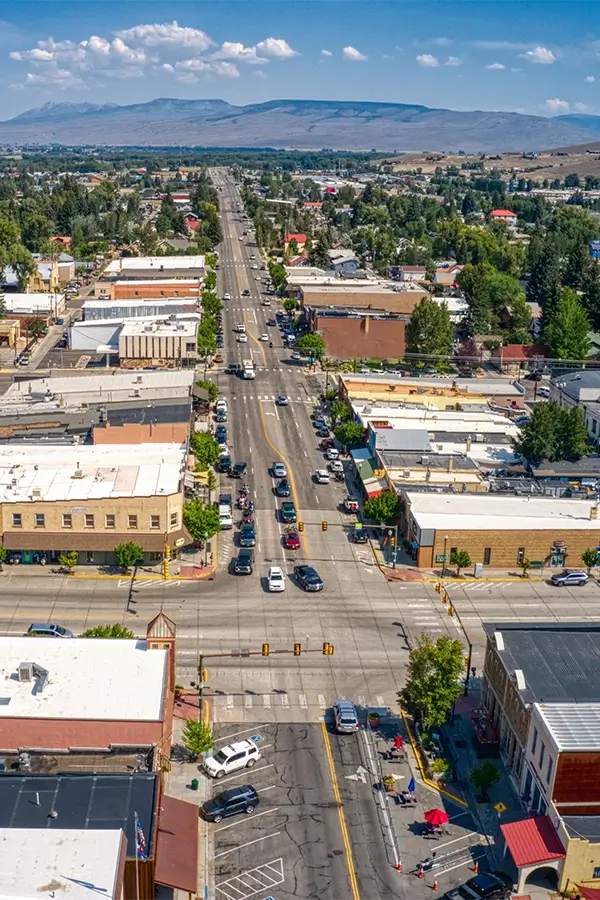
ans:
(322, 815)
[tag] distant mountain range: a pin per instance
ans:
(301, 124)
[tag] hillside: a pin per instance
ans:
(302, 124)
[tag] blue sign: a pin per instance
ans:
(257, 738)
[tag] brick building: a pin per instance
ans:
(351, 335)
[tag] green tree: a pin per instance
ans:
(339, 412)
(35, 231)
(205, 449)
(433, 679)
(578, 261)
(36, 327)
(23, 263)
(211, 484)
(277, 274)
(109, 631)
(210, 386)
(197, 737)
(312, 345)
(485, 776)
(3, 555)
(318, 255)
(567, 330)
(384, 508)
(201, 521)
(289, 304)
(544, 285)
(589, 558)
(350, 434)
(553, 433)
(129, 554)
(460, 559)
(429, 331)
(475, 282)
(590, 288)
(68, 560)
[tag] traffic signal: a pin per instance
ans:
(297, 649)
(450, 609)
(393, 542)
(300, 526)
(204, 676)
(327, 649)
(323, 526)
(438, 587)
(265, 649)
(467, 662)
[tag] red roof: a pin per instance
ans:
(532, 841)
(523, 351)
(502, 213)
(311, 203)
(299, 238)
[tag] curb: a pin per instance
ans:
(417, 753)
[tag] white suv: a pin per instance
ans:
(241, 755)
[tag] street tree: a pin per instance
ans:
(129, 554)
(384, 508)
(433, 679)
(68, 560)
(589, 558)
(36, 327)
(567, 330)
(202, 521)
(205, 449)
(350, 434)
(211, 484)
(339, 412)
(553, 433)
(429, 331)
(109, 631)
(197, 737)
(290, 305)
(485, 776)
(277, 274)
(460, 559)
(210, 386)
(312, 345)
(3, 555)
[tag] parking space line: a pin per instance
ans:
(248, 844)
(322, 701)
(463, 837)
(243, 772)
(255, 728)
(241, 821)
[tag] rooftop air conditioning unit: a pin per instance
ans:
(406, 473)
(26, 671)
(78, 473)
(479, 438)
(424, 460)
(36, 492)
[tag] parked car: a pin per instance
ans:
(224, 463)
(234, 800)
(283, 400)
(345, 717)
(481, 887)
(276, 579)
(308, 578)
(336, 466)
(322, 476)
(570, 577)
(359, 535)
(332, 453)
(240, 755)
(49, 630)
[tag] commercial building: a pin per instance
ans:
(26, 306)
(542, 706)
(91, 498)
(130, 309)
(143, 268)
(157, 288)
(168, 343)
(353, 334)
(501, 395)
(378, 298)
(499, 531)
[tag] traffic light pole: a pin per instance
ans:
(452, 611)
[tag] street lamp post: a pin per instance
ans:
(445, 557)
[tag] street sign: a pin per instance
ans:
(500, 808)
(441, 557)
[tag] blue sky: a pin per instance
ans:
(528, 56)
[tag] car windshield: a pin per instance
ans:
(346, 721)
(220, 757)
(59, 629)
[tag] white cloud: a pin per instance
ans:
(496, 66)
(239, 53)
(554, 105)
(169, 34)
(442, 41)
(55, 76)
(584, 107)
(353, 54)
(589, 79)
(276, 48)
(386, 56)
(194, 67)
(540, 55)
(326, 53)
(501, 45)
(259, 73)
(453, 61)
(428, 61)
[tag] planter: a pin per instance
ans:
(389, 783)
(373, 719)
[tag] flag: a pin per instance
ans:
(412, 785)
(140, 841)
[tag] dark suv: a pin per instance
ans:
(481, 887)
(288, 512)
(234, 800)
(239, 469)
(247, 536)
(243, 563)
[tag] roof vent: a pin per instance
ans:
(139, 379)
(424, 460)
(78, 473)
(499, 638)
(36, 492)
(520, 679)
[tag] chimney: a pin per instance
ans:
(468, 443)
(450, 463)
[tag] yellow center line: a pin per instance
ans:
(342, 818)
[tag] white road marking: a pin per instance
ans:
(229, 701)
(285, 701)
(239, 821)
(302, 699)
(248, 701)
(322, 702)
(380, 701)
(239, 847)
(360, 700)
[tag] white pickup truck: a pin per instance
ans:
(249, 370)
(225, 516)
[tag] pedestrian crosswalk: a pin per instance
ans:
(223, 703)
(270, 398)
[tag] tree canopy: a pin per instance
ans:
(429, 331)
(567, 330)
(433, 678)
(553, 433)
(202, 521)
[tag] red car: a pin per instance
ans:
(326, 443)
(291, 540)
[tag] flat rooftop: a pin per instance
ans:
(182, 327)
(75, 865)
(574, 726)
(495, 512)
(89, 472)
(83, 802)
(175, 282)
(116, 680)
(587, 827)
(468, 387)
(357, 286)
(433, 419)
(156, 263)
(560, 662)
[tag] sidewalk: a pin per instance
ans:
(405, 571)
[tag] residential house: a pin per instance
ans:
(511, 359)
(343, 262)
(192, 221)
(503, 215)
(582, 389)
(412, 273)
(446, 274)
(66, 268)
(299, 238)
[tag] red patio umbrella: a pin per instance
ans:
(436, 817)
(399, 742)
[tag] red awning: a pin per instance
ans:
(588, 893)
(177, 845)
(532, 841)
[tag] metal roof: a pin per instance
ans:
(532, 841)
(560, 661)
(574, 726)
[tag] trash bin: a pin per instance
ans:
(194, 784)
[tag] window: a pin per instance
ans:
(452, 552)
(534, 741)
(174, 518)
(17, 520)
(90, 556)
(549, 770)
(190, 347)
(89, 520)
(67, 520)
(542, 753)
(40, 520)
(154, 521)
(132, 521)
(487, 556)
(109, 520)
(597, 872)
(520, 555)
(156, 557)
(593, 426)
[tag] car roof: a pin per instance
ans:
(287, 503)
(241, 791)
(345, 704)
(37, 625)
(485, 881)
(276, 570)
(238, 747)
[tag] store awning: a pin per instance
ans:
(177, 845)
(532, 841)
(588, 893)
(88, 540)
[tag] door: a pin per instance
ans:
(236, 762)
